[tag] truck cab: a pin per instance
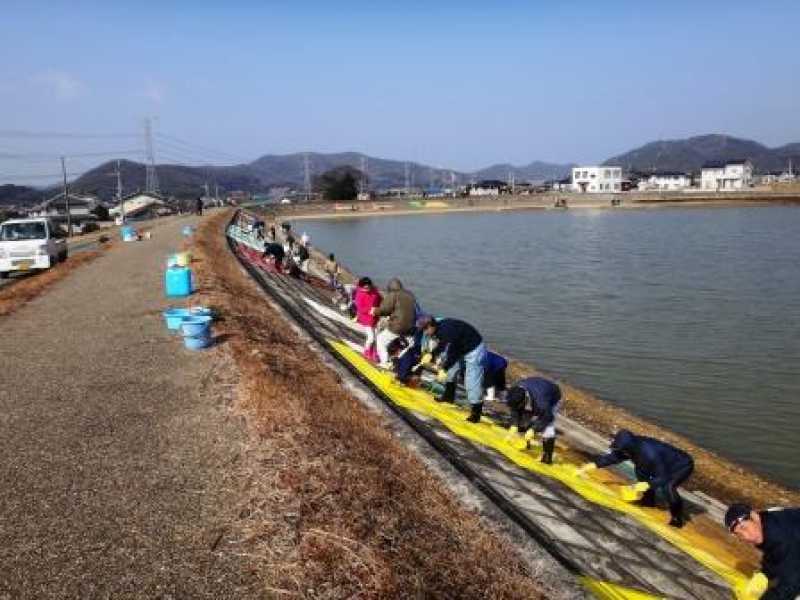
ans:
(27, 244)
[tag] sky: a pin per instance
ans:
(456, 84)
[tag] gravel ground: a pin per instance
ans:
(121, 464)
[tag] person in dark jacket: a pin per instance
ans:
(662, 466)
(405, 357)
(777, 534)
(198, 206)
(494, 375)
(458, 344)
(544, 398)
(276, 252)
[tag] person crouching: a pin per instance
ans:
(543, 397)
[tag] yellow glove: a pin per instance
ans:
(584, 470)
(441, 376)
(512, 433)
(641, 486)
(529, 435)
(756, 585)
(426, 359)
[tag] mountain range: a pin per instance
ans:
(690, 154)
(288, 171)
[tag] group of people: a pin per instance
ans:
(401, 337)
(291, 256)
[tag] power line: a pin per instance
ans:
(206, 149)
(22, 133)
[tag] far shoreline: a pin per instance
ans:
(500, 204)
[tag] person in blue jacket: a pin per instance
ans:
(777, 534)
(544, 399)
(662, 466)
(458, 345)
(494, 376)
(405, 357)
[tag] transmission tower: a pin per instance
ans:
(407, 179)
(151, 178)
(307, 176)
(364, 178)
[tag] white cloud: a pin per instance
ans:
(62, 85)
(154, 91)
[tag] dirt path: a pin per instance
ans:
(119, 462)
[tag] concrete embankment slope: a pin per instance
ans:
(618, 550)
(116, 477)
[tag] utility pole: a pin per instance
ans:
(364, 179)
(307, 176)
(151, 178)
(119, 195)
(66, 197)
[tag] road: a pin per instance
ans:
(120, 462)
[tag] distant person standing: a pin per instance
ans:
(198, 207)
(332, 271)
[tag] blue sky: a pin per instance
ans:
(455, 84)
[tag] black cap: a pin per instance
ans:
(735, 514)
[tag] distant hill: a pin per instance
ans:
(690, 154)
(19, 195)
(535, 171)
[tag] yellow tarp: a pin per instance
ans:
(712, 555)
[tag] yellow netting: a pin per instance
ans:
(708, 552)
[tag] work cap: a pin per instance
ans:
(423, 321)
(736, 514)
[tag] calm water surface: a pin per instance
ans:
(688, 317)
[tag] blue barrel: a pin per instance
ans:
(178, 282)
(195, 326)
(128, 233)
(174, 317)
(196, 343)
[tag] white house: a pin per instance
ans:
(665, 180)
(724, 176)
(489, 187)
(596, 179)
(55, 209)
(140, 205)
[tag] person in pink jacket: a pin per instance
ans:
(367, 297)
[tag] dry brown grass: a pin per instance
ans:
(17, 294)
(338, 508)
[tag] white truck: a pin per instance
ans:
(27, 244)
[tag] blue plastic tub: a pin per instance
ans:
(128, 233)
(174, 317)
(200, 311)
(178, 282)
(196, 342)
(188, 230)
(195, 326)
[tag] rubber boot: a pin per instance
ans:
(548, 445)
(676, 511)
(475, 411)
(449, 394)
(648, 499)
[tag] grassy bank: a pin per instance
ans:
(340, 508)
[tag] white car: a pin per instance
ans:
(27, 244)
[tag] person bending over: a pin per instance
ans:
(776, 533)
(660, 465)
(544, 399)
(458, 345)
